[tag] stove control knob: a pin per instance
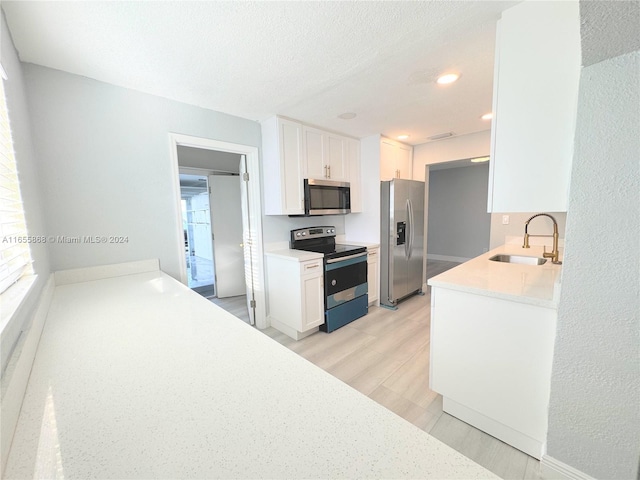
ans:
(304, 234)
(333, 283)
(298, 234)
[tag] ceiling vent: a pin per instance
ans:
(441, 136)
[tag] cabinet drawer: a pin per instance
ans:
(311, 267)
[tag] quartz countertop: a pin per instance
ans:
(532, 284)
(295, 255)
(139, 377)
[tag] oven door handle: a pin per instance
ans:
(335, 260)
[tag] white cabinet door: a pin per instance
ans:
(404, 165)
(493, 357)
(296, 295)
(372, 274)
(387, 160)
(312, 289)
(336, 159)
(314, 151)
(325, 155)
(283, 167)
(535, 103)
(395, 160)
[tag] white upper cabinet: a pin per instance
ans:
(326, 156)
(355, 179)
(293, 151)
(283, 164)
(535, 100)
(396, 160)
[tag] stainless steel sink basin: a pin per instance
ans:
(521, 259)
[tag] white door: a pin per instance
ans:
(226, 223)
(249, 214)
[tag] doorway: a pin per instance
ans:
(196, 225)
(248, 246)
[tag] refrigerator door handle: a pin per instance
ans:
(410, 239)
(407, 246)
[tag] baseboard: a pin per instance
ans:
(552, 469)
(16, 376)
(531, 446)
(447, 258)
(289, 331)
(77, 275)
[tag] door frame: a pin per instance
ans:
(255, 209)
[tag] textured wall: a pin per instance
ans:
(594, 414)
(609, 29)
(458, 220)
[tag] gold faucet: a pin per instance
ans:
(554, 254)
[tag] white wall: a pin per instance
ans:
(457, 148)
(458, 222)
(515, 228)
(594, 416)
(104, 158)
(29, 178)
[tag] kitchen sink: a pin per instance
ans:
(521, 259)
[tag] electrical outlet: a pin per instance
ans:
(505, 219)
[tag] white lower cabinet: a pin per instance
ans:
(373, 274)
(491, 361)
(296, 295)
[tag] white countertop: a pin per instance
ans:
(533, 284)
(294, 255)
(138, 377)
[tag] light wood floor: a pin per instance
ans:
(235, 305)
(385, 355)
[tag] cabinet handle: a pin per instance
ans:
(311, 266)
(329, 171)
(325, 172)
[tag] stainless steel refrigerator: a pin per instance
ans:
(401, 239)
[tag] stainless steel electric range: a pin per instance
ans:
(345, 275)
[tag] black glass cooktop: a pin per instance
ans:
(333, 250)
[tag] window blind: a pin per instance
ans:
(15, 256)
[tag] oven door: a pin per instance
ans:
(326, 197)
(345, 279)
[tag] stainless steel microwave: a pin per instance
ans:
(326, 197)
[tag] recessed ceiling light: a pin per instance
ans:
(487, 116)
(480, 159)
(448, 78)
(347, 116)
(402, 137)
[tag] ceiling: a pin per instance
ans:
(310, 61)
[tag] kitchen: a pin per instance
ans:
(85, 107)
